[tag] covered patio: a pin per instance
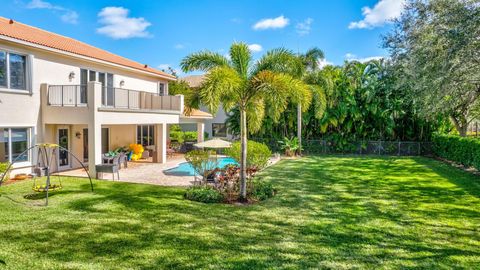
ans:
(142, 172)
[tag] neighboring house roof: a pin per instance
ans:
(198, 114)
(194, 81)
(30, 34)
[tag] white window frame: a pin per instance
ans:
(165, 89)
(28, 71)
(29, 144)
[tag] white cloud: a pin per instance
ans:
(303, 28)
(255, 47)
(40, 4)
(271, 23)
(118, 25)
(323, 63)
(179, 46)
(352, 57)
(68, 15)
(383, 12)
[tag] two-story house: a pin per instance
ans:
(56, 89)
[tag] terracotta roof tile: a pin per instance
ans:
(194, 81)
(194, 113)
(41, 37)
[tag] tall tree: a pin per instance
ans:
(255, 88)
(435, 46)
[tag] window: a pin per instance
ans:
(161, 89)
(18, 78)
(3, 69)
(145, 135)
(219, 130)
(13, 142)
(13, 71)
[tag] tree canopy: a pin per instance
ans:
(435, 46)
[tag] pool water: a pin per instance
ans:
(185, 169)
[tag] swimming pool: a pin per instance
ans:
(185, 169)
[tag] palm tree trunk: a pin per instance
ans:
(243, 161)
(299, 128)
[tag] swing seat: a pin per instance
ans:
(43, 188)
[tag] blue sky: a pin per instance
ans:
(161, 33)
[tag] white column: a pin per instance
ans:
(94, 92)
(43, 111)
(200, 131)
(161, 142)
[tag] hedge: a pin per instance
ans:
(465, 151)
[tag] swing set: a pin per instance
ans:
(47, 157)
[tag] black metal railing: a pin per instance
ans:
(67, 95)
(388, 148)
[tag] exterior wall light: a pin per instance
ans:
(78, 134)
(71, 76)
(122, 83)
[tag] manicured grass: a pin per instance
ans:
(330, 212)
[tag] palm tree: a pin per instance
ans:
(255, 88)
(310, 61)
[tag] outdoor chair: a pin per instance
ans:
(108, 168)
(122, 158)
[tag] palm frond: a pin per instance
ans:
(274, 88)
(319, 101)
(312, 57)
(255, 114)
(280, 60)
(221, 84)
(241, 58)
(204, 61)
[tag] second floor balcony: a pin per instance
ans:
(113, 99)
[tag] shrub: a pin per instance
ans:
(262, 190)
(3, 170)
(258, 154)
(465, 151)
(201, 161)
(176, 136)
(180, 136)
(203, 194)
(190, 136)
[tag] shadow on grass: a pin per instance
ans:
(331, 212)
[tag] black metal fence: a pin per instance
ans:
(388, 148)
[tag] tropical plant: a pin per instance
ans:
(290, 146)
(201, 162)
(435, 47)
(258, 153)
(255, 88)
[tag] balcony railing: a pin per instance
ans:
(114, 98)
(120, 98)
(67, 95)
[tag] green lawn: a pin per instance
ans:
(330, 212)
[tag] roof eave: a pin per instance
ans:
(79, 56)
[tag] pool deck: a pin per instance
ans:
(146, 172)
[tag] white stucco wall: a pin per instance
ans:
(23, 108)
(219, 117)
